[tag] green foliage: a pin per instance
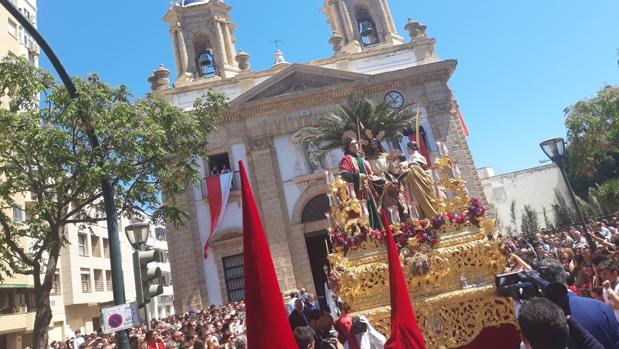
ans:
(564, 215)
(148, 148)
(529, 222)
(606, 196)
(375, 120)
(513, 229)
(593, 139)
(547, 222)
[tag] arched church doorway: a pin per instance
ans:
(317, 243)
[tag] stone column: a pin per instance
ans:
(229, 45)
(389, 17)
(182, 49)
(222, 56)
(348, 27)
(267, 192)
(337, 22)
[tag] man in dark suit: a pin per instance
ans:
(594, 316)
(297, 317)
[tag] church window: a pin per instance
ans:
(366, 27)
(206, 64)
(235, 280)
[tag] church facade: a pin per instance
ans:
(268, 111)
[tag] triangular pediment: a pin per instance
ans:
(297, 78)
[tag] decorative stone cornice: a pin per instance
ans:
(440, 71)
(260, 143)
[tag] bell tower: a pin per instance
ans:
(360, 25)
(202, 39)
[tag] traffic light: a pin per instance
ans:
(148, 280)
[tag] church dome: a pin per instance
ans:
(191, 2)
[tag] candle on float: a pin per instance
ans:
(329, 177)
(396, 213)
(439, 146)
(445, 150)
(457, 169)
(351, 192)
(364, 208)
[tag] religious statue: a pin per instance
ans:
(387, 166)
(356, 170)
(312, 157)
(420, 182)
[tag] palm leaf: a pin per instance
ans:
(377, 118)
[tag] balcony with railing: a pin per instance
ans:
(235, 187)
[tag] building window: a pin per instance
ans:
(85, 278)
(106, 248)
(96, 247)
(99, 282)
(500, 194)
(218, 164)
(12, 28)
(206, 64)
(233, 273)
(108, 280)
(18, 214)
(82, 244)
(160, 234)
(366, 27)
(56, 283)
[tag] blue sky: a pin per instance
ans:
(520, 63)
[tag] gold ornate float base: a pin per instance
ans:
(452, 319)
(454, 300)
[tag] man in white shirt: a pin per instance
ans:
(79, 340)
(293, 297)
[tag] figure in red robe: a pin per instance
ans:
(354, 169)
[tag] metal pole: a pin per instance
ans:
(118, 285)
(583, 223)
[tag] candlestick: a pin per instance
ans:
(440, 148)
(351, 192)
(457, 169)
(364, 208)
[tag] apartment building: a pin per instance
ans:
(17, 304)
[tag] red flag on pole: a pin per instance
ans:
(405, 332)
(266, 319)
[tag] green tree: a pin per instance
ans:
(593, 139)
(528, 221)
(564, 215)
(148, 147)
(547, 222)
(513, 229)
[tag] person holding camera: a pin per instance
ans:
(608, 270)
(595, 317)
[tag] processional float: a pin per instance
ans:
(450, 260)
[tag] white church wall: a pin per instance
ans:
(534, 187)
(291, 158)
(378, 64)
(292, 193)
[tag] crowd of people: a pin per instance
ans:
(586, 262)
(212, 328)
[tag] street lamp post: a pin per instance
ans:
(138, 234)
(118, 283)
(555, 150)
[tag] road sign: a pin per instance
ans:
(120, 317)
